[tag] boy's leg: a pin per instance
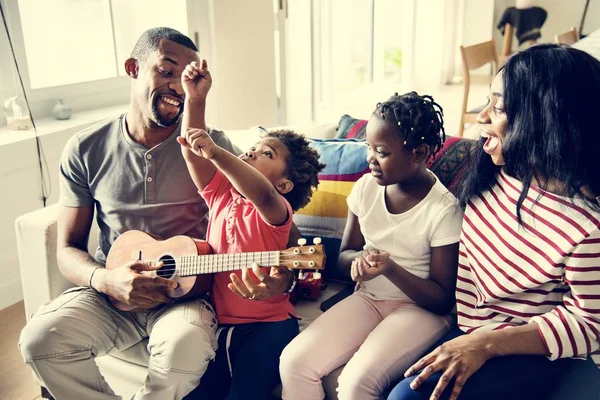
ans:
(403, 336)
(325, 345)
(181, 342)
(62, 339)
(255, 350)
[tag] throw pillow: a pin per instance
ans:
(325, 215)
(351, 128)
(451, 162)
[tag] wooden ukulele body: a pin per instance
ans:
(137, 245)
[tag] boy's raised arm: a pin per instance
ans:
(196, 81)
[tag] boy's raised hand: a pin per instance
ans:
(196, 80)
(199, 142)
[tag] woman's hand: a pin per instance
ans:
(457, 359)
(370, 264)
(278, 282)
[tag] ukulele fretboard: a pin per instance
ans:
(211, 263)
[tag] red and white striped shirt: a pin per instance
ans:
(546, 270)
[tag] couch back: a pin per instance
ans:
(345, 159)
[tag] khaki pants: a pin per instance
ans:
(62, 339)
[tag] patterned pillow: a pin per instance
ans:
(351, 128)
(451, 162)
(325, 215)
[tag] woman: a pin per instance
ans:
(528, 288)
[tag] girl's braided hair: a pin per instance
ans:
(419, 120)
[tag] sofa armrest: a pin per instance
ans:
(41, 279)
(36, 245)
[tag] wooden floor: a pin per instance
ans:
(16, 380)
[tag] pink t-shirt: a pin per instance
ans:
(235, 226)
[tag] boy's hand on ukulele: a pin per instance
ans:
(370, 264)
(199, 142)
(127, 285)
(255, 285)
(196, 81)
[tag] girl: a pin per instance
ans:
(528, 286)
(400, 245)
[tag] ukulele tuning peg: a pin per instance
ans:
(316, 275)
(301, 242)
(317, 240)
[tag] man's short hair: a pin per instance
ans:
(149, 41)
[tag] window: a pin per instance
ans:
(73, 41)
(356, 46)
(76, 49)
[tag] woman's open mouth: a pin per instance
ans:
(492, 142)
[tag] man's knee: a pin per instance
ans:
(43, 338)
(188, 349)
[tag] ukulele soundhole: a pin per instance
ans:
(168, 268)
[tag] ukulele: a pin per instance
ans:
(190, 262)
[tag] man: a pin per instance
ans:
(131, 169)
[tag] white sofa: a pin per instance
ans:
(42, 281)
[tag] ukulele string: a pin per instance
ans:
(235, 264)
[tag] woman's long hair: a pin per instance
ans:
(552, 104)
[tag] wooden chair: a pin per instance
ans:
(474, 57)
(569, 37)
(509, 32)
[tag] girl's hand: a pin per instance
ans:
(458, 359)
(199, 142)
(196, 81)
(370, 264)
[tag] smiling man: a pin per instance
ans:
(130, 170)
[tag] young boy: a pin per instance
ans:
(251, 200)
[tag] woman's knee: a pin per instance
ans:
(403, 391)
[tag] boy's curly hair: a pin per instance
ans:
(303, 166)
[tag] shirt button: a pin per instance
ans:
(238, 201)
(149, 156)
(149, 179)
(230, 219)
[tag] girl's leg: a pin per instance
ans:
(324, 345)
(510, 377)
(255, 350)
(398, 341)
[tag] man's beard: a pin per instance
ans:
(164, 121)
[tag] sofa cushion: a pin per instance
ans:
(351, 128)
(325, 215)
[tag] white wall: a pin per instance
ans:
(244, 47)
(20, 178)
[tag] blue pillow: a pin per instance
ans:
(325, 215)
